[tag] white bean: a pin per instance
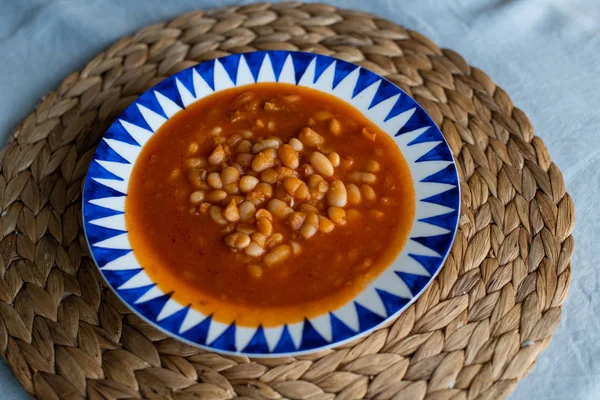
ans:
(237, 240)
(337, 195)
(278, 254)
(321, 163)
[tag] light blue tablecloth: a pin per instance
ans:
(544, 53)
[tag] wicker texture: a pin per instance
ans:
(473, 334)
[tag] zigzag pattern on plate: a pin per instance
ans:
(421, 142)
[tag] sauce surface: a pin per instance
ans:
(183, 250)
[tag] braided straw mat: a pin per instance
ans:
(473, 334)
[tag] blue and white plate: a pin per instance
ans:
(420, 141)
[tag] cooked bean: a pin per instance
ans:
(314, 180)
(288, 156)
(337, 195)
(335, 127)
(260, 239)
(368, 134)
(196, 162)
(237, 240)
(244, 98)
(214, 180)
(296, 187)
(259, 123)
(291, 98)
(204, 207)
(296, 219)
(334, 158)
(244, 146)
(265, 144)
(247, 211)
(271, 126)
(337, 215)
(372, 166)
(193, 148)
(307, 170)
(271, 106)
(262, 213)
(277, 254)
(238, 199)
(310, 225)
(220, 140)
(245, 160)
(367, 192)
(262, 161)
(362, 177)
(296, 144)
(255, 197)
(233, 140)
(264, 226)
(246, 134)
(310, 137)
(352, 214)
(278, 208)
(216, 131)
(325, 224)
(296, 248)
(347, 162)
(322, 188)
(231, 212)
(254, 249)
(248, 229)
(196, 197)
(305, 207)
(215, 196)
(217, 156)
(269, 176)
(248, 183)
(321, 164)
(229, 175)
(323, 115)
(232, 188)
(353, 194)
(285, 172)
(265, 189)
(255, 271)
(217, 215)
(274, 240)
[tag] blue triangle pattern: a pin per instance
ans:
(255, 61)
(438, 153)
(311, 339)
(151, 308)
(367, 318)
(173, 322)
(104, 256)
(226, 341)
(92, 212)
(446, 221)
(277, 61)
(186, 77)
(117, 278)
(385, 91)
(446, 175)
(118, 132)
(133, 115)
(97, 234)
(105, 153)
(365, 79)
(449, 198)
(391, 302)
(286, 343)
(415, 283)
(95, 190)
(149, 100)
(206, 70)
(404, 103)
(322, 64)
(431, 264)
(301, 62)
(342, 70)
(430, 135)
(231, 64)
(98, 171)
(438, 243)
(198, 333)
(130, 296)
(258, 344)
(339, 330)
(418, 120)
(168, 88)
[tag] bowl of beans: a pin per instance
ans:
(271, 203)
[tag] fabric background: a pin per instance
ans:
(544, 53)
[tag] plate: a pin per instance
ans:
(429, 158)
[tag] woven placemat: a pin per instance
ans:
(474, 333)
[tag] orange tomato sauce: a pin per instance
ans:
(184, 253)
